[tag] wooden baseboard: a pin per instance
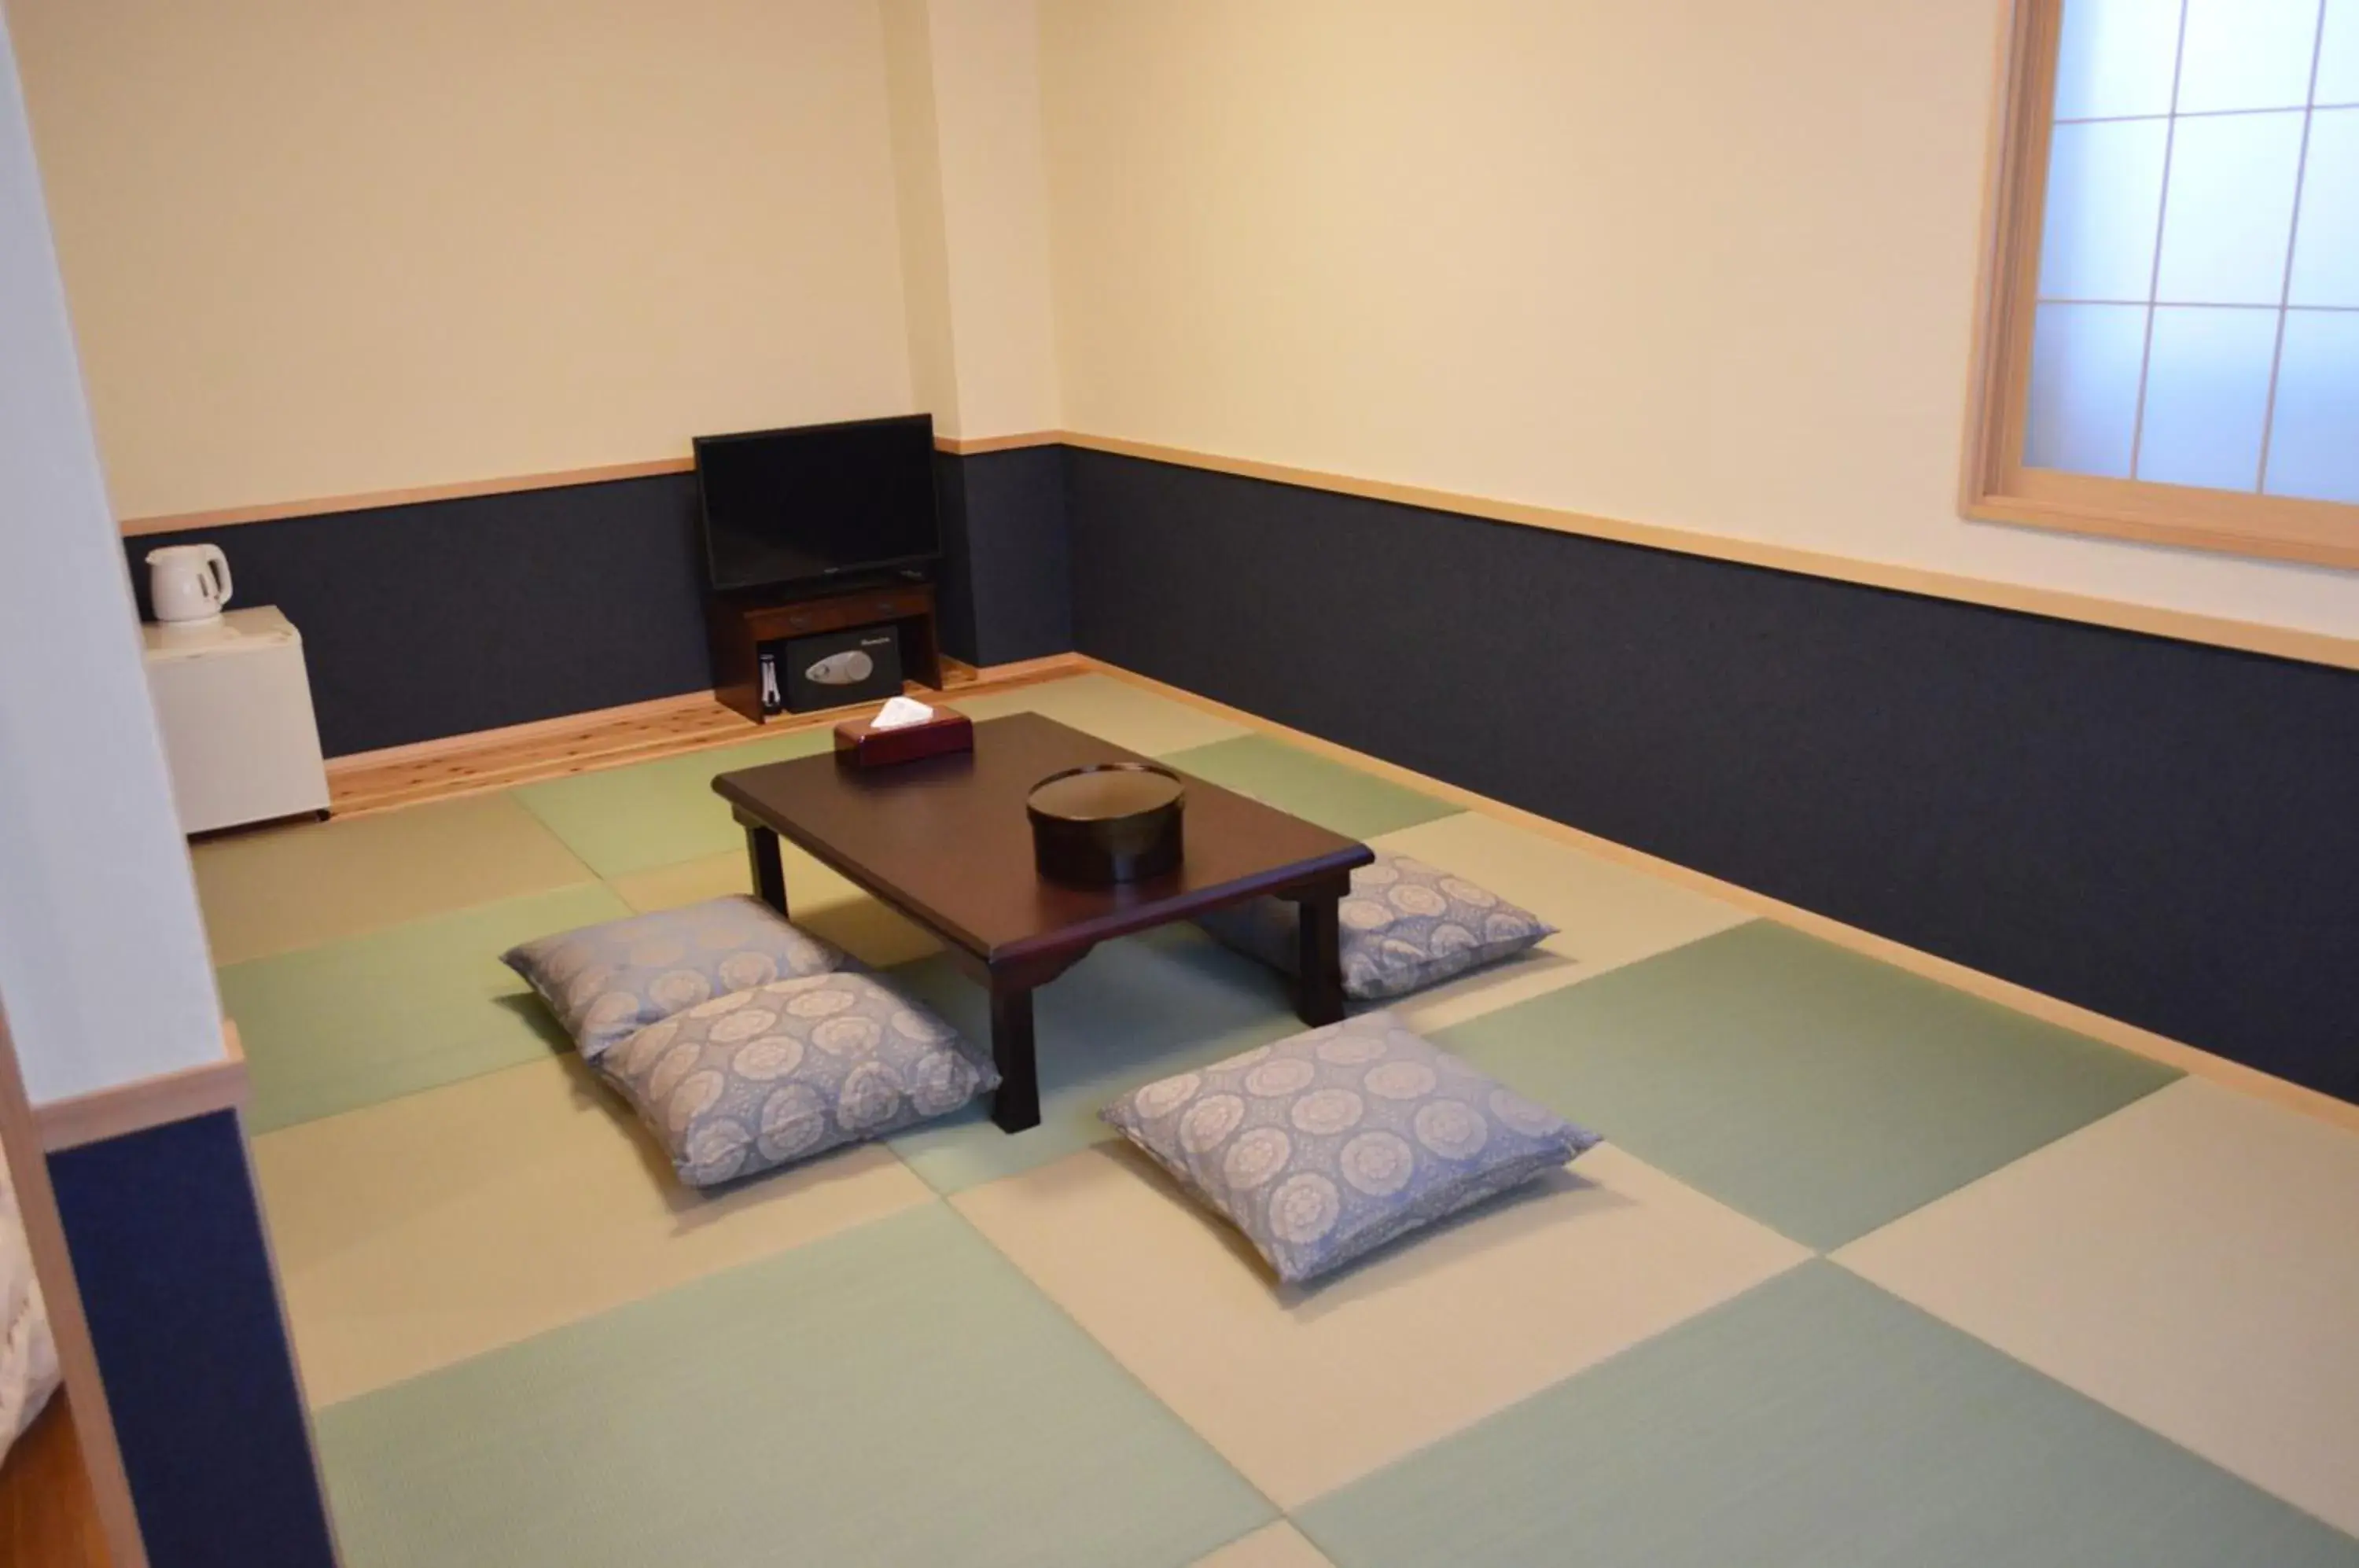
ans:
(2219, 631)
(459, 490)
(2189, 1058)
(2185, 625)
(150, 1101)
(372, 500)
(971, 446)
(143, 1102)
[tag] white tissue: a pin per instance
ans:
(899, 714)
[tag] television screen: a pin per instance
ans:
(819, 501)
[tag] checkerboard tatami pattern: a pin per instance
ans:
(1868, 1272)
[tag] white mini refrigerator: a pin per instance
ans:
(235, 708)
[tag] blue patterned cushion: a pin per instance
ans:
(1330, 1144)
(607, 981)
(1405, 925)
(779, 1072)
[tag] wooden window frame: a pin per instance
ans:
(1998, 487)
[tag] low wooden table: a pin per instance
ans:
(945, 840)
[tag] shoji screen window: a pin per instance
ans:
(2171, 346)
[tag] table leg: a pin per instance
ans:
(769, 873)
(1017, 1105)
(1318, 994)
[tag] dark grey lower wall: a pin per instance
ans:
(451, 617)
(1006, 576)
(2160, 830)
(175, 1276)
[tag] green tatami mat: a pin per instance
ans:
(1131, 716)
(1332, 794)
(622, 819)
(895, 1395)
(354, 1022)
(1820, 1091)
(1813, 1422)
(1134, 1009)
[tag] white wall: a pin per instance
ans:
(918, 198)
(102, 963)
(1706, 263)
(325, 248)
(996, 213)
(972, 184)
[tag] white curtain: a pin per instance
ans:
(28, 1356)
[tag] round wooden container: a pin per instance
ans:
(1111, 821)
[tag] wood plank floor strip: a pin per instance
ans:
(48, 1514)
(497, 759)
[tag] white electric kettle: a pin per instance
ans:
(187, 582)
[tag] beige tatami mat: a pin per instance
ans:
(817, 898)
(276, 890)
(710, 876)
(424, 1230)
(2190, 1260)
(1278, 1545)
(1130, 716)
(1305, 1391)
(1606, 915)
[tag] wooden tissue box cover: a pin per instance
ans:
(861, 747)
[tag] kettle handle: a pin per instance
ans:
(218, 565)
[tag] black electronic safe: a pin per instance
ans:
(832, 670)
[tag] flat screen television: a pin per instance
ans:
(818, 502)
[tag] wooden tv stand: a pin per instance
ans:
(740, 621)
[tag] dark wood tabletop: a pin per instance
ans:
(945, 839)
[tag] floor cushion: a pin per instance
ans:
(1405, 925)
(775, 1074)
(1331, 1143)
(607, 981)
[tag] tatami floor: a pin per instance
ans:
(1869, 1271)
